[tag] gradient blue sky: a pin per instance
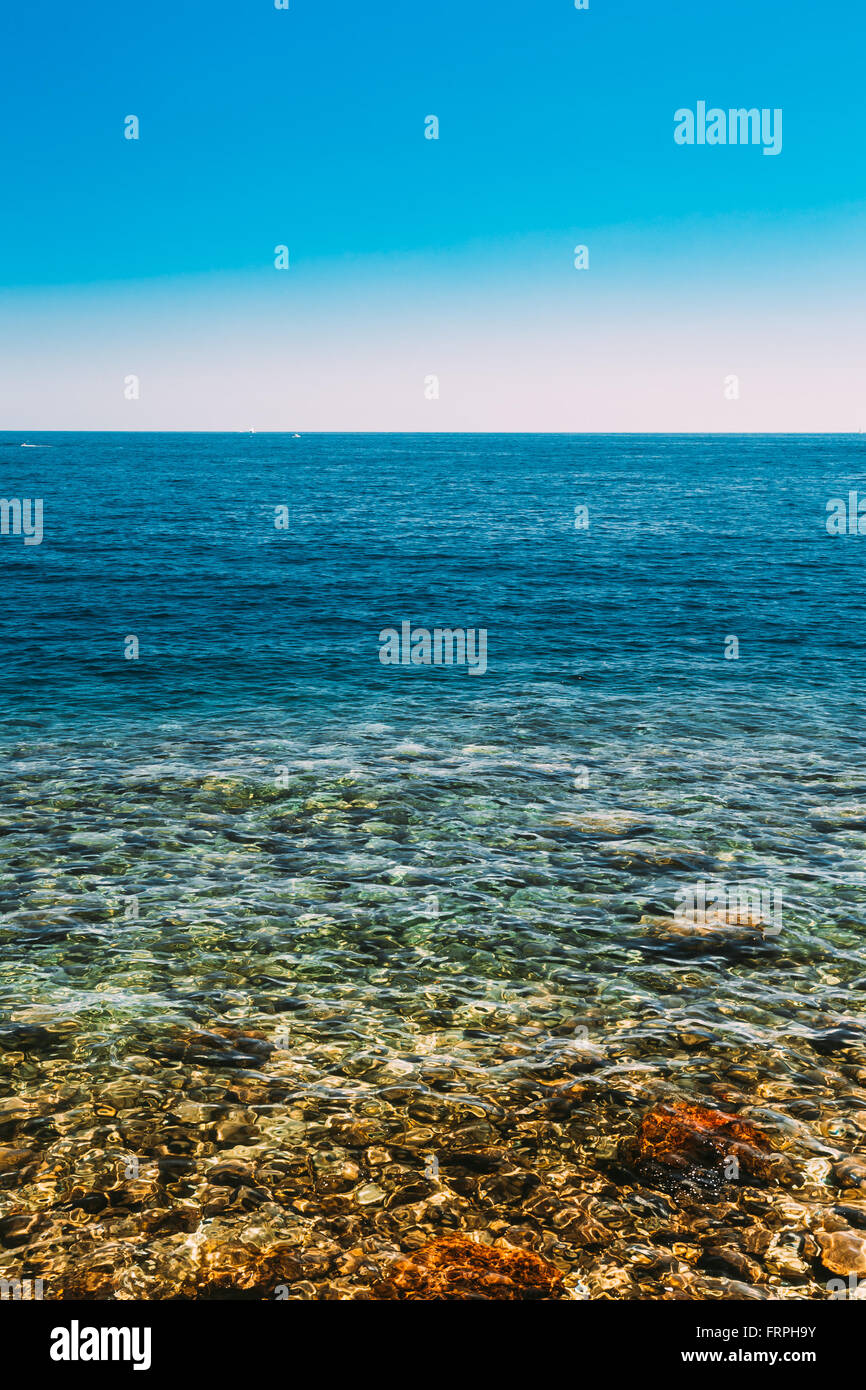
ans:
(412, 257)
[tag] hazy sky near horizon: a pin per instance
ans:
(413, 258)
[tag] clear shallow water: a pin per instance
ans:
(368, 935)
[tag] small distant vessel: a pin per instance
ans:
(297, 436)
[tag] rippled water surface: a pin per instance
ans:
(308, 961)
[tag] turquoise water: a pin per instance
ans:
(399, 942)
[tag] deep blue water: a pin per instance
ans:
(172, 538)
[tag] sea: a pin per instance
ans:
(308, 951)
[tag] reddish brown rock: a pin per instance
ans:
(682, 1136)
(458, 1268)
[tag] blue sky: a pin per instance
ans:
(412, 257)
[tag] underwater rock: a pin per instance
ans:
(370, 1194)
(456, 1267)
(684, 1137)
(13, 1157)
(785, 1263)
(231, 1131)
(19, 1228)
(28, 1038)
(577, 1226)
(229, 1174)
(214, 1047)
(731, 1263)
(232, 1269)
(850, 1172)
(832, 1040)
(852, 1212)
(843, 1252)
(14, 1110)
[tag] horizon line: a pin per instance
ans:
(564, 434)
